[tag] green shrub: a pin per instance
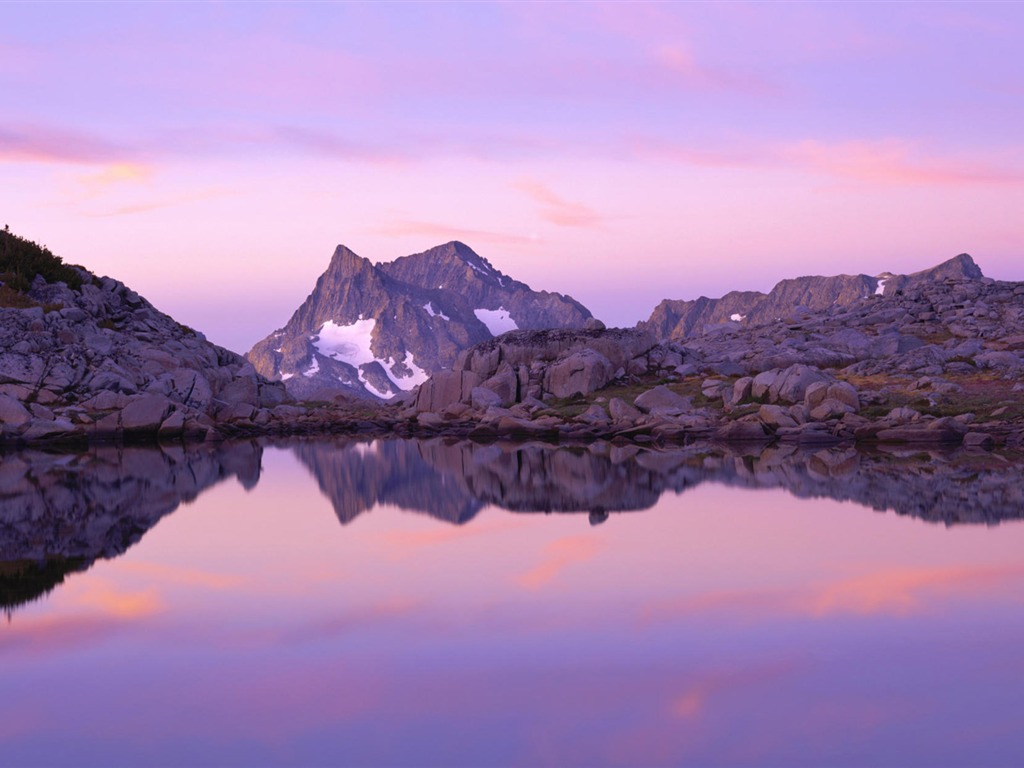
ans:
(21, 260)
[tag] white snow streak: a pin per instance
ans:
(737, 317)
(351, 344)
(881, 287)
(347, 343)
(429, 307)
(498, 321)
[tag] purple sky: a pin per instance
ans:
(212, 155)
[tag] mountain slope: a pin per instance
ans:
(678, 319)
(85, 357)
(380, 330)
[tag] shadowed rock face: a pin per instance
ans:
(59, 513)
(678, 319)
(379, 330)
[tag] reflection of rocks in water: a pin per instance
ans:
(948, 487)
(61, 512)
(356, 476)
(453, 480)
(546, 478)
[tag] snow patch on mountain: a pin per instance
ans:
(352, 344)
(346, 343)
(498, 321)
(429, 308)
(370, 386)
(406, 383)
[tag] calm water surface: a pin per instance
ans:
(402, 603)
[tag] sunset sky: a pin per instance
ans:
(213, 155)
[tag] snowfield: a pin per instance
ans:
(498, 321)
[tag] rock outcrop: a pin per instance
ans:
(945, 345)
(791, 299)
(86, 357)
(533, 365)
(380, 330)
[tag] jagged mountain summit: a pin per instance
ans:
(378, 330)
(679, 319)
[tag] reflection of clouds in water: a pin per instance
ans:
(559, 555)
(188, 577)
(899, 591)
(108, 598)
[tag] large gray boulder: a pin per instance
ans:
(661, 398)
(581, 373)
(145, 413)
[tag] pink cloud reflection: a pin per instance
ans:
(558, 556)
(891, 591)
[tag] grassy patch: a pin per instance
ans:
(15, 300)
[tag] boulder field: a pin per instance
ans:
(84, 358)
(939, 362)
(936, 359)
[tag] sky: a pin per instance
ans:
(213, 155)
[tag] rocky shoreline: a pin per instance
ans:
(936, 358)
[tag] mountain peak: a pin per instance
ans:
(960, 266)
(456, 251)
(345, 261)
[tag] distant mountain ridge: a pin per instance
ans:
(377, 330)
(675, 319)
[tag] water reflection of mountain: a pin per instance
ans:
(453, 480)
(59, 513)
(413, 476)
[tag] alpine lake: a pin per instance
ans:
(442, 602)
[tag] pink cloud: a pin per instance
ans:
(155, 205)
(883, 161)
(679, 61)
(39, 144)
(557, 209)
(896, 162)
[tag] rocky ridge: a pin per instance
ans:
(377, 331)
(936, 359)
(675, 319)
(94, 360)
